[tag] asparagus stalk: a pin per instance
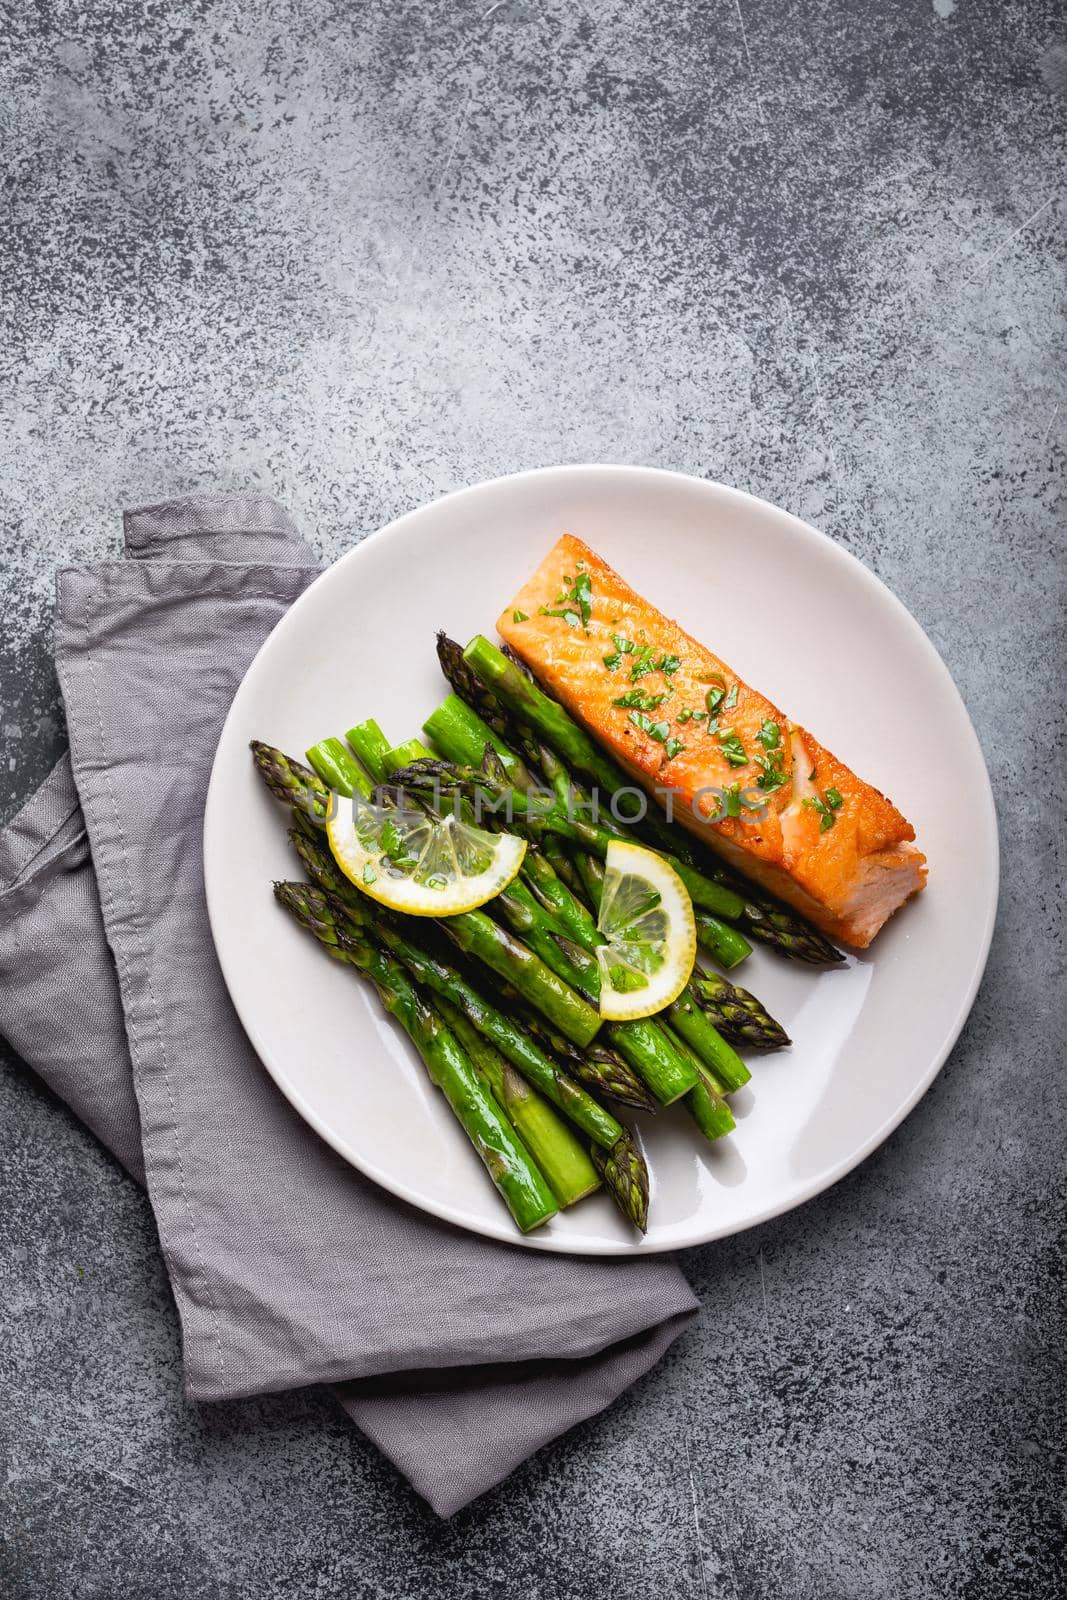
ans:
(560, 1156)
(706, 1103)
(566, 866)
(460, 734)
(290, 781)
(625, 1172)
(401, 755)
(526, 701)
(476, 934)
(738, 1015)
(472, 692)
(603, 1070)
(370, 747)
(721, 940)
(709, 1111)
(713, 1052)
(781, 929)
(338, 770)
(764, 917)
(505, 1157)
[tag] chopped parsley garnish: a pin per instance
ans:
(639, 699)
(394, 846)
(732, 748)
(613, 662)
(731, 800)
(624, 980)
(571, 618)
(769, 735)
(714, 699)
(733, 804)
(668, 665)
(827, 808)
(655, 730)
(519, 616)
(574, 604)
(369, 874)
(772, 773)
(673, 747)
(626, 646)
(731, 699)
(643, 665)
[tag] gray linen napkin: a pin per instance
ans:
(457, 1356)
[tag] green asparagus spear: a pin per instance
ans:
(625, 1172)
(290, 781)
(775, 925)
(738, 1015)
(461, 736)
(707, 1044)
(603, 1070)
(706, 1103)
(562, 1159)
(566, 866)
(401, 755)
(506, 1158)
(709, 1111)
(471, 691)
(480, 708)
(528, 702)
(476, 934)
(722, 940)
(370, 747)
(338, 770)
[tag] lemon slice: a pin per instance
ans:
(646, 916)
(424, 865)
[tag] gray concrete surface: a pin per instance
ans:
(363, 254)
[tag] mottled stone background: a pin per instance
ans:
(361, 254)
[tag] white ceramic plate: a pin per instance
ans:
(794, 614)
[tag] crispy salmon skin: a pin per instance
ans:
(781, 808)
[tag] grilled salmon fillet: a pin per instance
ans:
(758, 789)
